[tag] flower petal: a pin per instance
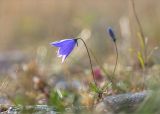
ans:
(66, 49)
(61, 42)
(63, 58)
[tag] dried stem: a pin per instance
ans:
(143, 40)
(141, 30)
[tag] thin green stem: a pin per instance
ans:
(115, 44)
(89, 59)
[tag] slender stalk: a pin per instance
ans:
(89, 59)
(115, 44)
(141, 30)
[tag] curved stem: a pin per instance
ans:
(89, 59)
(116, 58)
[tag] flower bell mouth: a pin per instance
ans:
(65, 47)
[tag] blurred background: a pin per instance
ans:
(28, 26)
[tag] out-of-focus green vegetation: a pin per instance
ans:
(30, 72)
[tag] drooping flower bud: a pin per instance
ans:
(111, 34)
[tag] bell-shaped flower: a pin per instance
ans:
(65, 47)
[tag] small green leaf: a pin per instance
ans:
(94, 88)
(141, 60)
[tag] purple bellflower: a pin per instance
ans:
(111, 34)
(65, 47)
